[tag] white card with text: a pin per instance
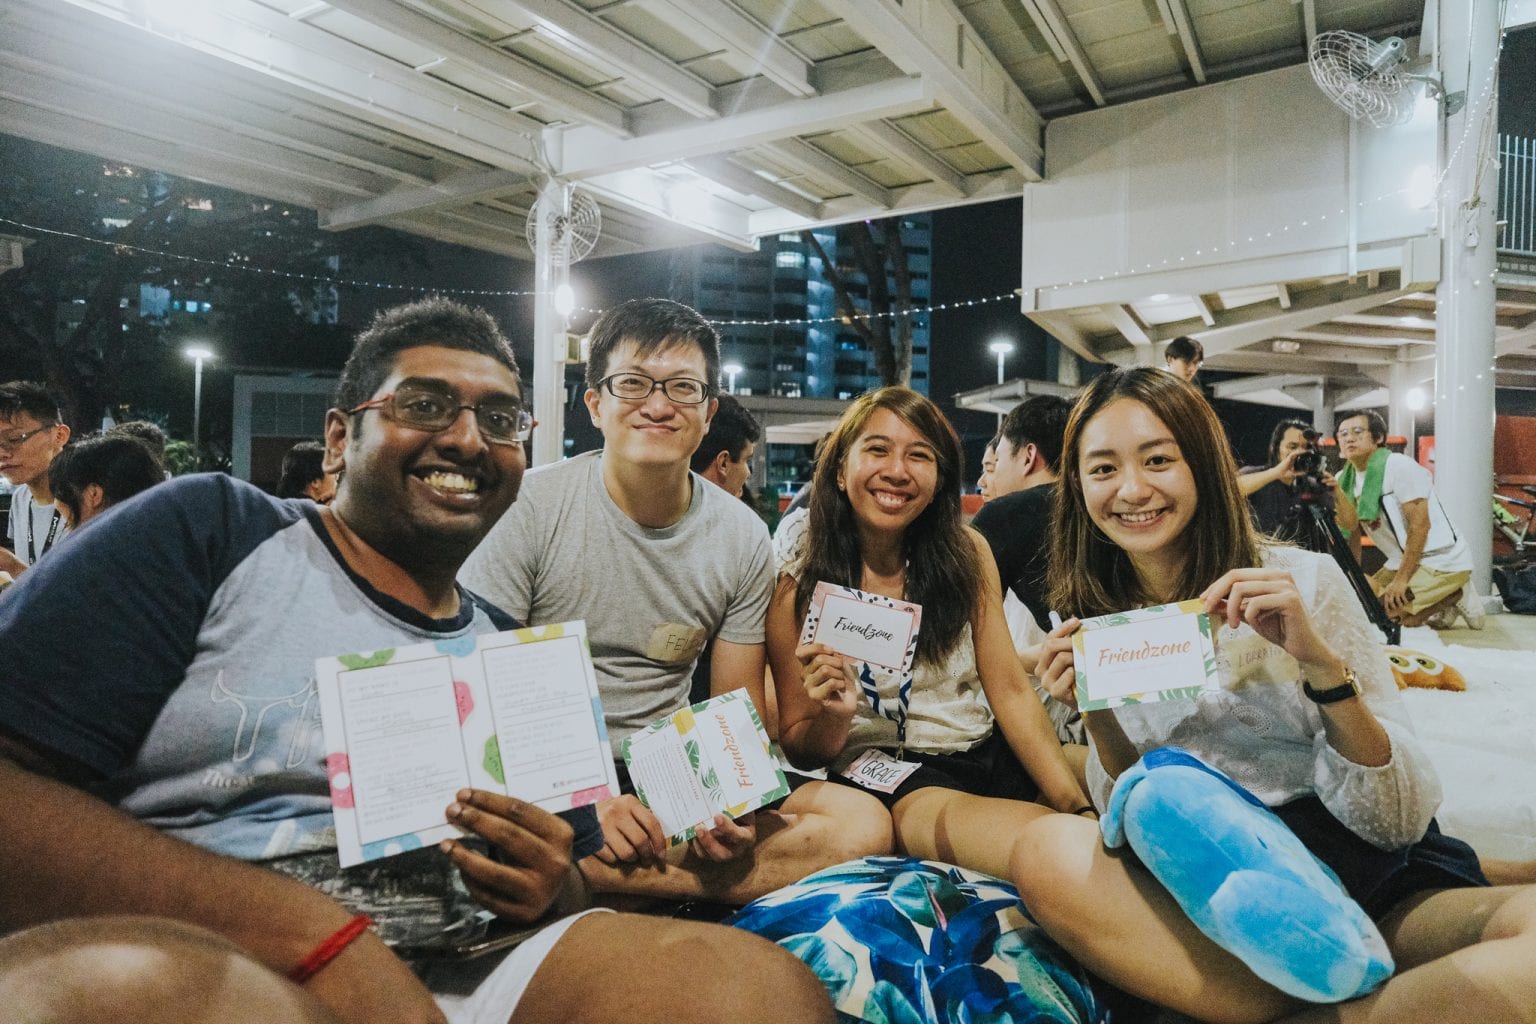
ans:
(868, 627)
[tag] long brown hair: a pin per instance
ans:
(943, 574)
(1089, 574)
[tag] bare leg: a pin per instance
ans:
(974, 832)
(1464, 956)
(1109, 912)
(143, 969)
(1077, 759)
(821, 824)
(620, 969)
(1509, 872)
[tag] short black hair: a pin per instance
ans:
(302, 466)
(651, 324)
(120, 465)
(431, 321)
(144, 430)
(732, 429)
(1374, 422)
(1040, 420)
(1186, 348)
(1278, 435)
(29, 398)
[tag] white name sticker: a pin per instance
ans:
(873, 770)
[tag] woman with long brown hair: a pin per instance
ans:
(1308, 720)
(964, 733)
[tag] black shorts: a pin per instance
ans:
(987, 769)
(1381, 879)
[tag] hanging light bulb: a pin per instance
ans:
(565, 298)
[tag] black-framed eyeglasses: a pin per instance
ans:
(637, 387)
(10, 444)
(502, 420)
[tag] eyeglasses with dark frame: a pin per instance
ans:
(10, 444)
(637, 387)
(501, 420)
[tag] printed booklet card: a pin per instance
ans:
(874, 629)
(515, 712)
(713, 758)
(1164, 652)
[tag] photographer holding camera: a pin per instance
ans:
(1294, 474)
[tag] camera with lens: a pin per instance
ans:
(1309, 463)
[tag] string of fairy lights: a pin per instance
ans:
(1198, 256)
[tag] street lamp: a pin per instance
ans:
(731, 370)
(1000, 349)
(197, 354)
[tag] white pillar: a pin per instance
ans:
(1468, 35)
(548, 338)
(1399, 418)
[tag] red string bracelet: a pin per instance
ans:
(330, 949)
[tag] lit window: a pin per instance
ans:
(789, 259)
(207, 307)
(789, 236)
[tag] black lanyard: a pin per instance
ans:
(53, 528)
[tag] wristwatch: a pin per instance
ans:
(1350, 687)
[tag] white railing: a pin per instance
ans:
(1517, 195)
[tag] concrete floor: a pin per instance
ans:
(1502, 632)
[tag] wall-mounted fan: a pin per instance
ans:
(1370, 81)
(572, 218)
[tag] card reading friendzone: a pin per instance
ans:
(515, 712)
(1164, 652)
(868, 627)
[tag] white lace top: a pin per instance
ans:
(948, 711)
(1264, 732)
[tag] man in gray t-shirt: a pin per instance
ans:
(658, 563)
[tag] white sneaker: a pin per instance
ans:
(1470, 607)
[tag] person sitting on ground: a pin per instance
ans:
(152, 436)
(975, 745)
(190, 705)
(97, 472)
(1308, 720)
(659, 563)
(724, 457)
(988, 467)
(1271, 488)
(32, 433)
(304, 476)
(1428, 573)
(1183, 357)
(1017, 528)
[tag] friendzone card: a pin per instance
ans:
(879, 630)
(1164, 652)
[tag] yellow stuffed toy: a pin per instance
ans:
(1415, 668)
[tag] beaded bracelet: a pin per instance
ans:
(329, 949)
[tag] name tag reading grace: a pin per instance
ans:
(876, 770)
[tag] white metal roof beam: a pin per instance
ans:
(1053, 25)
(455, 190)
(910, 199)
(902, 146)
(719, 169)
(525, 76)
(600, 43)
(583, 152)
(1236, 328)
(700, 216)
(1059, 325)
(808, 158)
(931, 38)
(1176, 20)
(1260, 382)
(1132, 329)
(367, 84)
(1308, 19)
(770, 55)
(1204, 307)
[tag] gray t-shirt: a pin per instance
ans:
(31, 525)
(650, 598)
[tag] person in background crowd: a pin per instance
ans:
(304, 476)
(1271, 488)
(32, 433)
(724, 457)
(96, 472)
(1183, 357)
(150, 434)
(988, 467)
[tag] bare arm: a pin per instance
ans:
(741, 666)
(68, 854)
(1019, 713)
(11, 564)
(1252, 483)
(1416, 517)
(811, 733)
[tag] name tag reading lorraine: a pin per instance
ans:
(1164, 652)
(871, 628)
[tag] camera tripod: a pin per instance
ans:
(1321, 534)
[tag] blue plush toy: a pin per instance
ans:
(1244, 878)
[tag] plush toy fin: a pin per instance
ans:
(1244, 878)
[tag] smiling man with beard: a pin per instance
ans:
(659, 562)
(163, 662)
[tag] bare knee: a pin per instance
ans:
(843, 823)
(1050, 867)
(1516, 918)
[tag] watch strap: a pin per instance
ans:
(1350, 687)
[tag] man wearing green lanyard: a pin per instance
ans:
(31, 433)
